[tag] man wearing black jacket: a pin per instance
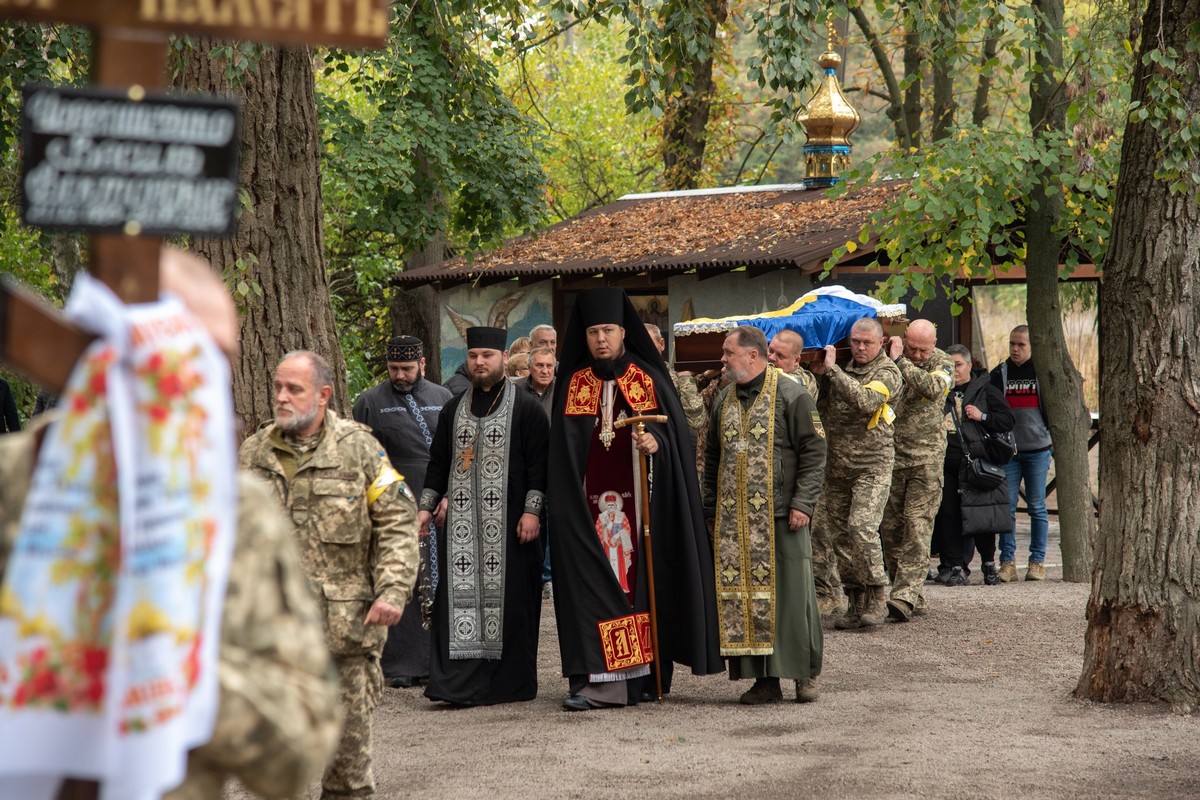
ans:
(10, 422)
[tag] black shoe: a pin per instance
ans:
(403, 681)
(576, 703)
(931, 576)
(956, 577)
(943, 573)
(991, 577)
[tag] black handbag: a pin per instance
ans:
(984, 474)
(981, 474)
(1000, 447)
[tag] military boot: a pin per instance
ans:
(850, 620)
(874, 611)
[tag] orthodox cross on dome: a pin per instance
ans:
(828, 121)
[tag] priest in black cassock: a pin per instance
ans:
(610, 369)
(489, 461)
(403, 414)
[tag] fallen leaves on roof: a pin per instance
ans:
(749, 225)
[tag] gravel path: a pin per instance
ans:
(971, 700)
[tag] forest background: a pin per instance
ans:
(519, 121)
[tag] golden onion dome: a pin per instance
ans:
(828, 122)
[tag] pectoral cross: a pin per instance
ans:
(606, 437)
(468, 457)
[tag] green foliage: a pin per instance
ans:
(1170, 79)
(663, 40)
(592, 149)
(421, 144)
(962, 214)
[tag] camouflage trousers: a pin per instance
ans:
(825, 572)
(361, 685)
(852, 507)
(907, 527)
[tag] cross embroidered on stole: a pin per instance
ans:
(745, 523)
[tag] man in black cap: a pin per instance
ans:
(612, 370)
(403, 414)
(489, 461)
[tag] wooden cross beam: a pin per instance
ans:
(130, 49)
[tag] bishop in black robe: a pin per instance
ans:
(489, 460)
(592, 586)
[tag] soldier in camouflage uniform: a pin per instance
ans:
(859, 469)
(916, 489)
(356, 524)
(685, 385)
(784, 353)
(766, 451)
(278, 718)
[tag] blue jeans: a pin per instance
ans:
(1033, 468)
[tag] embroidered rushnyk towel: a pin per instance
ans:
(111, 606)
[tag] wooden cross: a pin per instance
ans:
(130, 40)
(130, 49)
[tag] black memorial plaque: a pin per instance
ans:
(118, 162)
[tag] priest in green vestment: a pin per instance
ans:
(766, 451)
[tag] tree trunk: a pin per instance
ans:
(912, 73)
(991, 42)
(944, 71)
(280, 241)
(895, 110)
(1060, 382)
(1144, 611)
(685, 124)
(415, 311)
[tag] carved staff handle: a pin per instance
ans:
(642, 420)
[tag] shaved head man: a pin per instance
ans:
(784, 354)
(918, 476)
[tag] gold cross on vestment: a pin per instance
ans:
(758, 430)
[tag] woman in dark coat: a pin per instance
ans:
(967, 511)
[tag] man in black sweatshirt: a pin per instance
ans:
(1017, 378)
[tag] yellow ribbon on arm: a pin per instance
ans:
(885, 411)
(386, 477)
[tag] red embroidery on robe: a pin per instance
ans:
(638, 388)
(583, 394)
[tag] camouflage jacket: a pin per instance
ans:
(689, 398)
(279, 717)
(852, 410)
(357, 531)
(809, 380)
(920, 428)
